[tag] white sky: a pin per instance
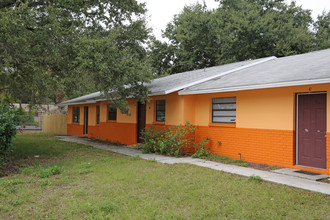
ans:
(161, 12)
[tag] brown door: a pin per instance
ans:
(85, 120)
(141, 121)
(311, 132)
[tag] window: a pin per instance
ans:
(76, 114)
(160, 110)
(98, 115)
(112, 113)
(224, 110)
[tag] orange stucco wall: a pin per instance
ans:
(264, 131)
(123, 130)
(75, 129)
(124, 133)
(173, 109)
(273, 147)
(260, 108)
(265, 125)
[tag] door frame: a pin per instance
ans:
(85, 131)
(297, 122)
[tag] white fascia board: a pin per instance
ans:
(158, 93)
(81, 103)
(220, 74)
(82, 98)
(261, 86)
(75, 103)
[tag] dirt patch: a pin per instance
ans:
(263, 166)
(13, 167)
(325, 180)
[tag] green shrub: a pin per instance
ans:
(173, 141)
(7, 132)
(168, 141)
(180, 138)
(201, 149)
(151, 138)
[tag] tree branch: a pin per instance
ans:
(4, 88)
(8, 3)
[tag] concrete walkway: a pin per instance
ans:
(275, 177)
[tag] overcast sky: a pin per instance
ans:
(161, 12)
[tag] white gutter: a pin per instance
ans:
(261, 86)
(220, 74)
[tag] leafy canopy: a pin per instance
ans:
(48, 48)
(237, 30)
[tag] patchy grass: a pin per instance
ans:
(97, 184)
(105, 142)
(34, 149)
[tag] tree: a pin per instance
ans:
(192, 42)
(76, 47)
(237, 30)
(322, 26)
(161, 55)
(7, 132)
(260, 28)
(194, 37)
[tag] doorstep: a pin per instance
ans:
(301, 174)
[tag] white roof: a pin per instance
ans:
(90, 98)
(304, 69)
(270, 72)
(176, 82)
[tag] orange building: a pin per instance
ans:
(273, 111)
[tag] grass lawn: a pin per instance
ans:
(72, 181)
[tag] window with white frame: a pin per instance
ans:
(224, 110)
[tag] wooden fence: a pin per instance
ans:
(56, 124)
